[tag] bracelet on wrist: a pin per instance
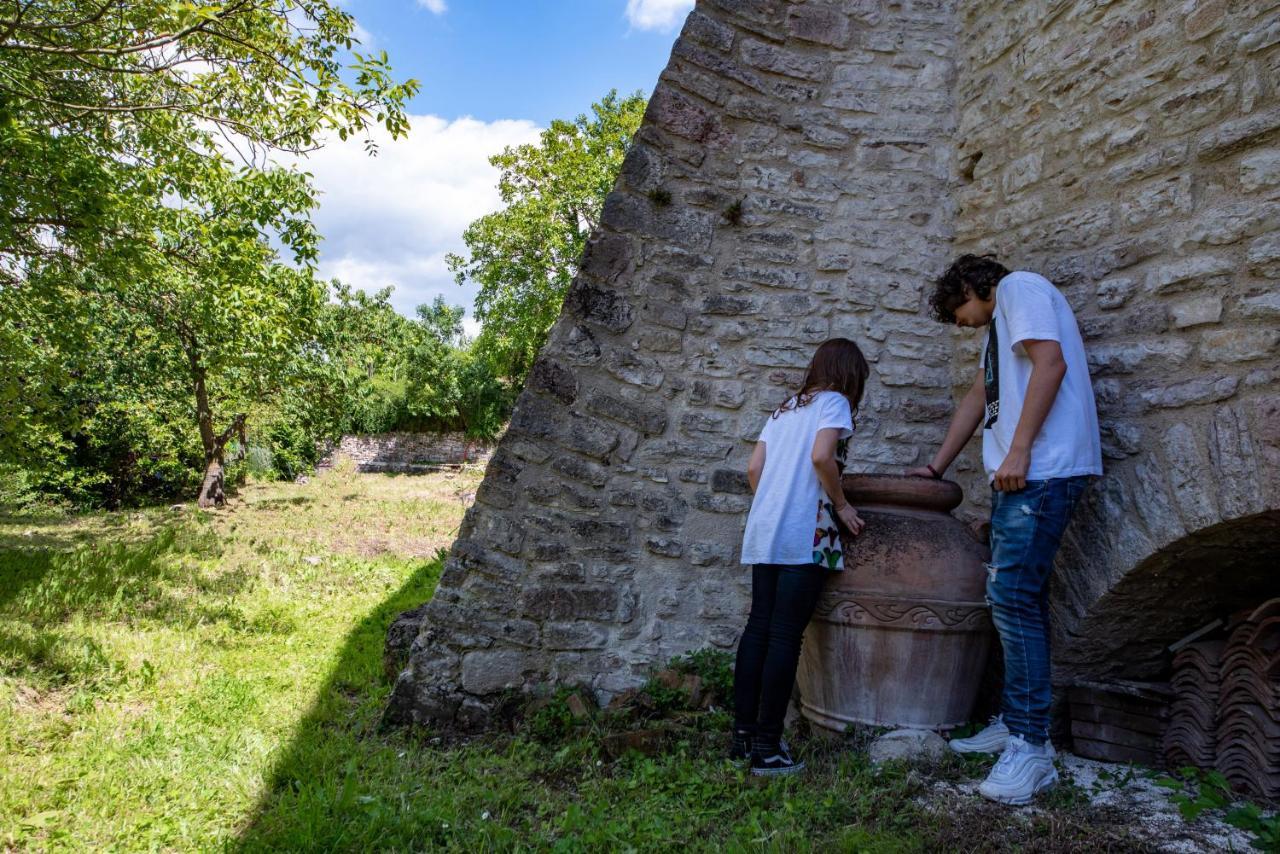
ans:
(937, 475)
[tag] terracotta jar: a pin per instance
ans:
(901, 637)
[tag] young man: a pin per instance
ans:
(1040, 445)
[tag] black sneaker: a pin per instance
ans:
(774, 760)
(740, 747)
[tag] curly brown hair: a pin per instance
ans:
(837, 365)
(968, 275)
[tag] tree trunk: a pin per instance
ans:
(211, 493)
(211, 488)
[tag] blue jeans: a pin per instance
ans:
(782, 601)
(1026, 529)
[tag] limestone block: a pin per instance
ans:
(1191, 392)
(1231, 452)
(664, 546)
(1116, 291)
(1238, 345)
(489, 671)
(710, 554)
(777, 60)
(1125, 358)
(1203, 17)
(1264, 255)
(706, 30)
(1264, 306)
(1229, 223)
(1229, 137)
(827, 25)
(1188, 272)
(1196, 311)
(1261, 38)
(1260, 169)
(1192, 482)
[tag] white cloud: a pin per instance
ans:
(391, 219)
(366, 39)
(436, 6)
(664, 15)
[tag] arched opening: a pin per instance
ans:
(1205, 576)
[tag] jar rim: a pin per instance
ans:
(921, 493)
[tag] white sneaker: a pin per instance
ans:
(1022, 771)
(991, 740)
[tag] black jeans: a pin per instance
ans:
(782, 601)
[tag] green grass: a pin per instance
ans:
(182, 681)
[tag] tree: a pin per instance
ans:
(123, 215)
(524, 256)
(108, 106)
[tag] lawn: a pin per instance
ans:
(176, 680)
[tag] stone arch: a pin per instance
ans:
(1189, 534)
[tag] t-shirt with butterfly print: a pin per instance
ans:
(790, 521)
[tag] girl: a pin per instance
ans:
(795, 474)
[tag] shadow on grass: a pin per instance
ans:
(312, 799)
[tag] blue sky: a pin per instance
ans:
(503, 59)
(493, 74)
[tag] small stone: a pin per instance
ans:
(691, 686)
(709, 554)
(665, 547)
(909, 745)
(313, 560)
(577, 707)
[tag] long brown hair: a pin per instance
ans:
(837, 365)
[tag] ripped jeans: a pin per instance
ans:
(1026, 529)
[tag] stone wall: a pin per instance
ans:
(1131, 152)
(803, 170)
(789, 184)
(386, 452)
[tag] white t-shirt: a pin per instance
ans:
(1029, 307)
(784, 512)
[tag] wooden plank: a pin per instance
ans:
(1086, 696)
(1115, 735)
(1115, 753)
(1115, 717)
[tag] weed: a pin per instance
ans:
(714, 667)
(733, 213)
(1196, 791)
(660, 196)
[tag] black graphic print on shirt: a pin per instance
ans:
(991, 376)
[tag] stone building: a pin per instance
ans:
(804, 169)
